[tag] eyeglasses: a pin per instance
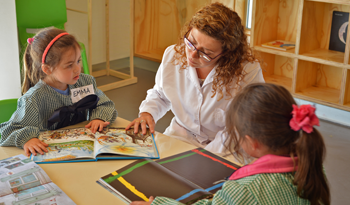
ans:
(201, 54)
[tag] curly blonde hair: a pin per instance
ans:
(224, 25)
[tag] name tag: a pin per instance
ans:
(79, 93)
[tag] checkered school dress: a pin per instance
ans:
(264, 189)
(36, 106)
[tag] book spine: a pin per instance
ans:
(155, 145)
(68, 161)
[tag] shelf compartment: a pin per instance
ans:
(316, 30)
(277, 69)
(275, 20)
(287, 53)
(327, 55)
(347, 89)
(319, 81)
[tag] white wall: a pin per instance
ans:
(119, 27)
(10, 81)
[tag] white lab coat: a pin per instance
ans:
(199, 119)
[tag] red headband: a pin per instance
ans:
(50, 44)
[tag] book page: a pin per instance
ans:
(23, 182)
(68, 144)
(201, 167)
(144, 178)
(124, 143)
(43, 194)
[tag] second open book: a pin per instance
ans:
(185, 177)
(80, 144)
(24, 182)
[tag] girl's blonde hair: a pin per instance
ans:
(263, 112)
(224, 25)
(32, 64)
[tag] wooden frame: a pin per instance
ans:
(126, 78)
(89, 12)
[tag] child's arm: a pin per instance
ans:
(23, 125)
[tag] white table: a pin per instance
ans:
(78, 180)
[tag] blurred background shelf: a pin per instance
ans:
(310, 71)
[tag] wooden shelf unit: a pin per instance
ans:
(310, 71)
(127, 79)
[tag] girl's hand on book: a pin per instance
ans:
(33, 146)
(144, 120)
(96, 125)
(150, 200)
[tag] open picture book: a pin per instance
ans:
(23, 182)
(80, 144)
(186, 177)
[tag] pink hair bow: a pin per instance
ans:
(30, 40)
(303, 118)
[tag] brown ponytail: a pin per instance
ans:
(310, 179)
(27, 68)
(32, 70)
(263, 112)
(34, 52)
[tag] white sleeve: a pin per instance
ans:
(217, 146)
(156, 103)
(253, 74)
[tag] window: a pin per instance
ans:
(249, 14)
(24, 182)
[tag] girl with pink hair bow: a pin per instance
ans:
(264, 121)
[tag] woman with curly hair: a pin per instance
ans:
(199, 76)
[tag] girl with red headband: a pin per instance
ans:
(56, 93)
(265, 121)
